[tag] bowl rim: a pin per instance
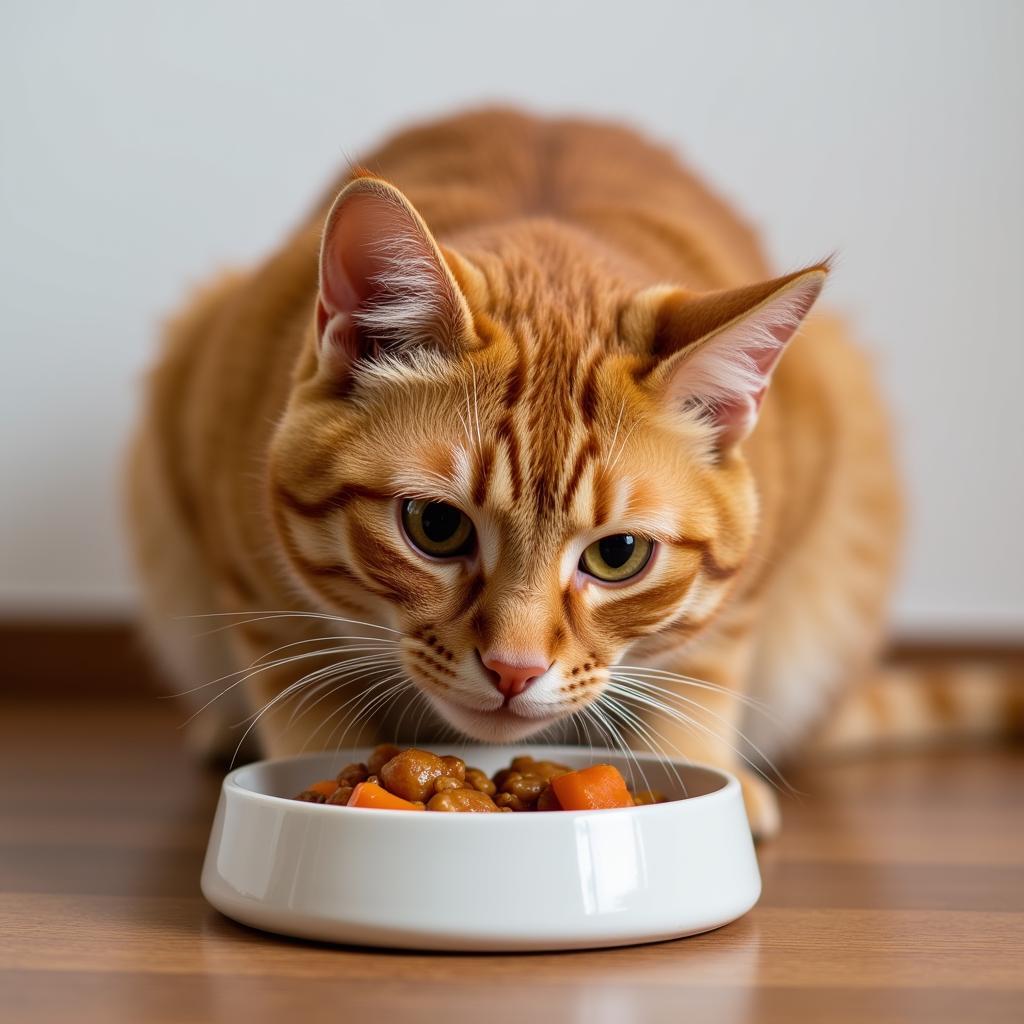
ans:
(727, 791)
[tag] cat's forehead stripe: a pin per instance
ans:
(507, 433)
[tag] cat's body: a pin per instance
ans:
(550, 231)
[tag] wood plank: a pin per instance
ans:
(895, 893)
(89, 998)
(887, 948)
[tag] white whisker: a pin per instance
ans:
(615, 434)
(251, 671)
(266, 616)
(702, 684)
(476, 410)
(471, 440)
(364, 697)
(419, 722)
(382, 641)
(345, 676)
(632, 763)
(622, 688)
(622, 448)
(367, 702)
(728, 725)
(648, 735)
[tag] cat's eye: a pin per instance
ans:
(437, 529)
(616, 558)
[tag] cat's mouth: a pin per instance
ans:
(504, 724)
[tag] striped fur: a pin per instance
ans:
(903, 705)
(553, 393)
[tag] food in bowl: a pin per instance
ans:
(410, 779)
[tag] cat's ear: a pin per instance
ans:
(716, 351)
(384, 283)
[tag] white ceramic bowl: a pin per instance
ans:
(481, 882)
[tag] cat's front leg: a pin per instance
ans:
(699, 719)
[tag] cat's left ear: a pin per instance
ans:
(716, 351)
(385, 287)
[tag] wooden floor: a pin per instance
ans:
(896, 893)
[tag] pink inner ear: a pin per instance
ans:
(346, 280)
(731, 371)
(734, 420)
(383, 281)
(349, 263)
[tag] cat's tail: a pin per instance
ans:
(928, 701)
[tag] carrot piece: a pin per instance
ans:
(593, 788)
(325, 788)
(369, 794)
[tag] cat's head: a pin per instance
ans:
(518, 456)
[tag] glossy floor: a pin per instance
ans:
(895, 893)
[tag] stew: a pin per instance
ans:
(409, 779)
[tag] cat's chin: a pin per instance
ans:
(500, 726)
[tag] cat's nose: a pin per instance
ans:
(511, 679)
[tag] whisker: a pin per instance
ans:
(419, 721)
(622, 447)
(615, 434)
(576, 727)
(676, 714)
(364, 696)
(381, 703)
(368, 703)
(284, 695)
(662, 693)
(729, 725)
(470, 440)
(349, 674)
(465, 426)
(588, 714)
(614, 709)
(585, 719)
(399, 683)
(476, 411)
(701, 684)
(405, 711)
(254, 671)
(268, 615)
(628, 754)
(321, 677)
(382, 641)
(650, 736)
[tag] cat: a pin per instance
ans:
(516, 433)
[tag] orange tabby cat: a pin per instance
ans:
(490, 440)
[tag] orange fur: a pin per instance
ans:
(551, 395)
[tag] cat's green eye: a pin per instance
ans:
(437, 529)
(616, 558)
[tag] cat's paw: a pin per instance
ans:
(762, 805)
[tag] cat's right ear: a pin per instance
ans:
(385, 286)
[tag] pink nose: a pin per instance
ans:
(511, 680)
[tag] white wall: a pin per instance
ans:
(144, 145)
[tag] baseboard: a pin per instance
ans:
(86, 659)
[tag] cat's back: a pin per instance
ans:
(494, 166)
(487, 167)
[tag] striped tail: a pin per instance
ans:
(919, 700)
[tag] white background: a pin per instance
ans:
(143, 146)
